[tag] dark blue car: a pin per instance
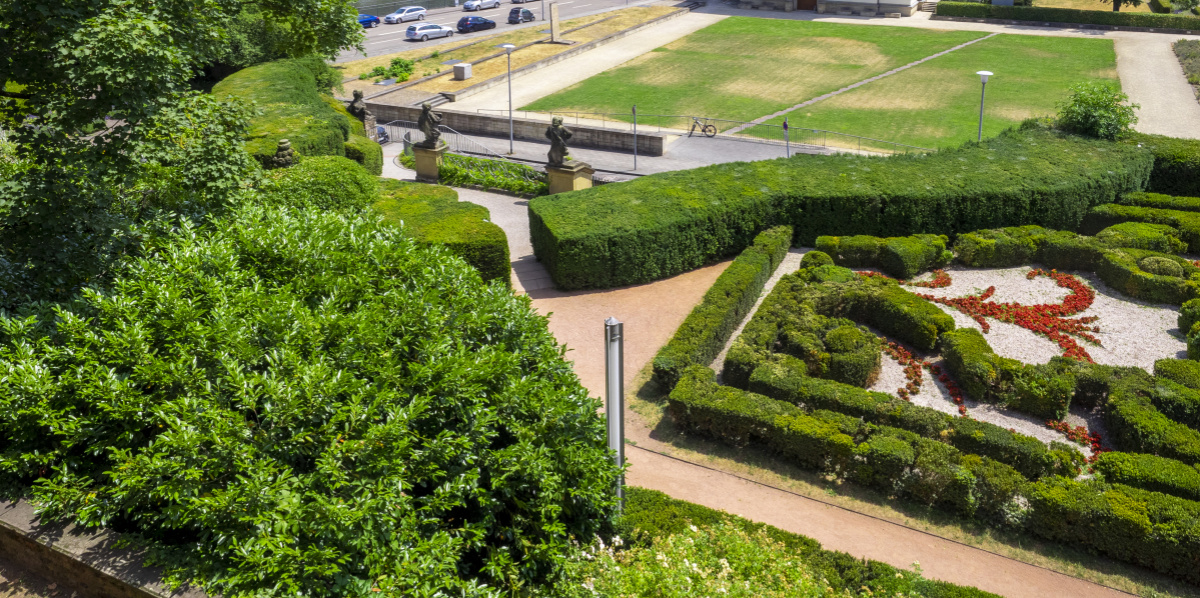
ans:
(368, 20)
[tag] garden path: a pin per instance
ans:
(651, 313)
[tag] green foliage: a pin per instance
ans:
(1152, 529)
(901, 257)
(1065, 15)
(1178, 402)
(1180, 371)
(1097, 109)
(1193, 342)
(1025, 454)
(324, 183)
(400, 69)
(1156, 277)
(366, 152)
(433, 215)
(815, 258)
(1149, 472)
(1161, 266)
(1043, 390)
(650, 514)
(707, 328)
(1188, 51)
(1139, 235)
(1160, 201)
(667, 223)
(1135, 425)
(464, 171)
(306, 402)
(1176, 168)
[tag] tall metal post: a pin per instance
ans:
(635, 136)
(614, 410)
(508, 48)
(983, 78)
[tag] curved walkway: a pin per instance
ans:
(651, 313)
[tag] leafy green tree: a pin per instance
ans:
(1117, 4)
(1097, 109)
(87, 83)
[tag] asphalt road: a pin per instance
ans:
(386, 39)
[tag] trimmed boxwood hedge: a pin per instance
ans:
(1181, 371)
(707, 328)
(976, 10)
(1150, 472)
(1140, 235)
(1044, 390)
(294, 108)
(649, 514)
(1135, 425)
(1161, 201)
(324, 183)
(1176, 169)
(668, 223)
(1104, 216)
(901, 257)
(434, 216)
(1156, 530)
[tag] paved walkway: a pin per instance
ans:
(1151, 75)
(651, 313)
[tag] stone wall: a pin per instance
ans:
(649, 144)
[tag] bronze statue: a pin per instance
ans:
(558, 136)
(358, 108)
(428, 124)
(284, 156)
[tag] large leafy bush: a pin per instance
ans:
(1097, 109)
(291, 402)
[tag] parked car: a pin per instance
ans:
(480, 4)
(469, 24)
(368, 20)
(520, 15)
(408, 13)
(381, 135)
(428, 30)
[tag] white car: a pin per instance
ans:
(426, 31)
(408, 13)
(480, 4)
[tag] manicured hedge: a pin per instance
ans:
(1135, 425)
(1150, 472)
(294, 108)
(1104, 216)
(1156, 530)
(707, 328)
(325, 183)
(434, 216)
(649, 514)
(667, 223)
(1176, 169)
(901, 257)
(1161, 201)
(1066, 15)
(1181, 371)
(1139, 235)
(1178, 402)
(1043, 390)
(1173, 280)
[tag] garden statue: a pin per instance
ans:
(428, 124)
(558, 136)
(358, 108)
(284, 156)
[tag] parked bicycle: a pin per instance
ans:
(709, 130)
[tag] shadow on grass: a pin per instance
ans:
(760, 464)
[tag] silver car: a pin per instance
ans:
(426, 31)
(480, 4)
(408, 13)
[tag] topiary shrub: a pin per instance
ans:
(1176, 169)
(815, 258)
(1122, 269)
(1140, 235)
(900, 257)
(1161, 266)
(1150, 472)
(1180, 371)
(271, 395)
(1104, 216)
(320, 183)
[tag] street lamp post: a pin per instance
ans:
(508, 48)
(983, 77)
(614, 386)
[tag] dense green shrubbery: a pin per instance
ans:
(1188, 51)
(1149, 528)
(292, 401)
(1139, 235)
(901, 257)
(1180, 371)
(1150, 472)
(1162, 202)
(668, 223)
(1135, 425)
(650, 515)
(1149, 275)
(1097, 109)
(290, 94)
(1176, 169)
(815, 258)
(1067, 15)
(1178, 402)
(1104, 216)
(434, 216)
(325, 183)
(1043, 390)
(516, 178)
(707, 328)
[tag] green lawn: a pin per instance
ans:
(936, 104)
(743, 68)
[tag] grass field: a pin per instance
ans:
(1089, 5)
(743, 68)
(936, 104)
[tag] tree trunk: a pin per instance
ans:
(1116, 5)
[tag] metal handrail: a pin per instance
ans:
(655, 122)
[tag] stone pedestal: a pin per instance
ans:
(571, 176)
(429, 161)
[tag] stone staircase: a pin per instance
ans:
(927, 6)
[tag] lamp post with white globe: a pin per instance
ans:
(508, 48)
(983, 77)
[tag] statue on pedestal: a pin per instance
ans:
(428, 124)
(358, 108)
(284, 156)
(558, 136)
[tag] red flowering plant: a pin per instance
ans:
(914, 375)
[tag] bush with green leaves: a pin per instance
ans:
(1188, 51)
(400, 69)
(1135, 425)
(1097, 109)
(1066, 15)
(667, 223)
(901, 257)
(1150, 472)
(326, 183)
(1140, 235)
(1176, 169)
(296, 402)
(466, 171)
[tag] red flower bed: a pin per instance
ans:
(912, 372)
(940, 279)
(1081, 436)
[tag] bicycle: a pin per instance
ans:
(707, 129)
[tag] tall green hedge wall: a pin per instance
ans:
(976, 10)
(672, 222)
(295, 108)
